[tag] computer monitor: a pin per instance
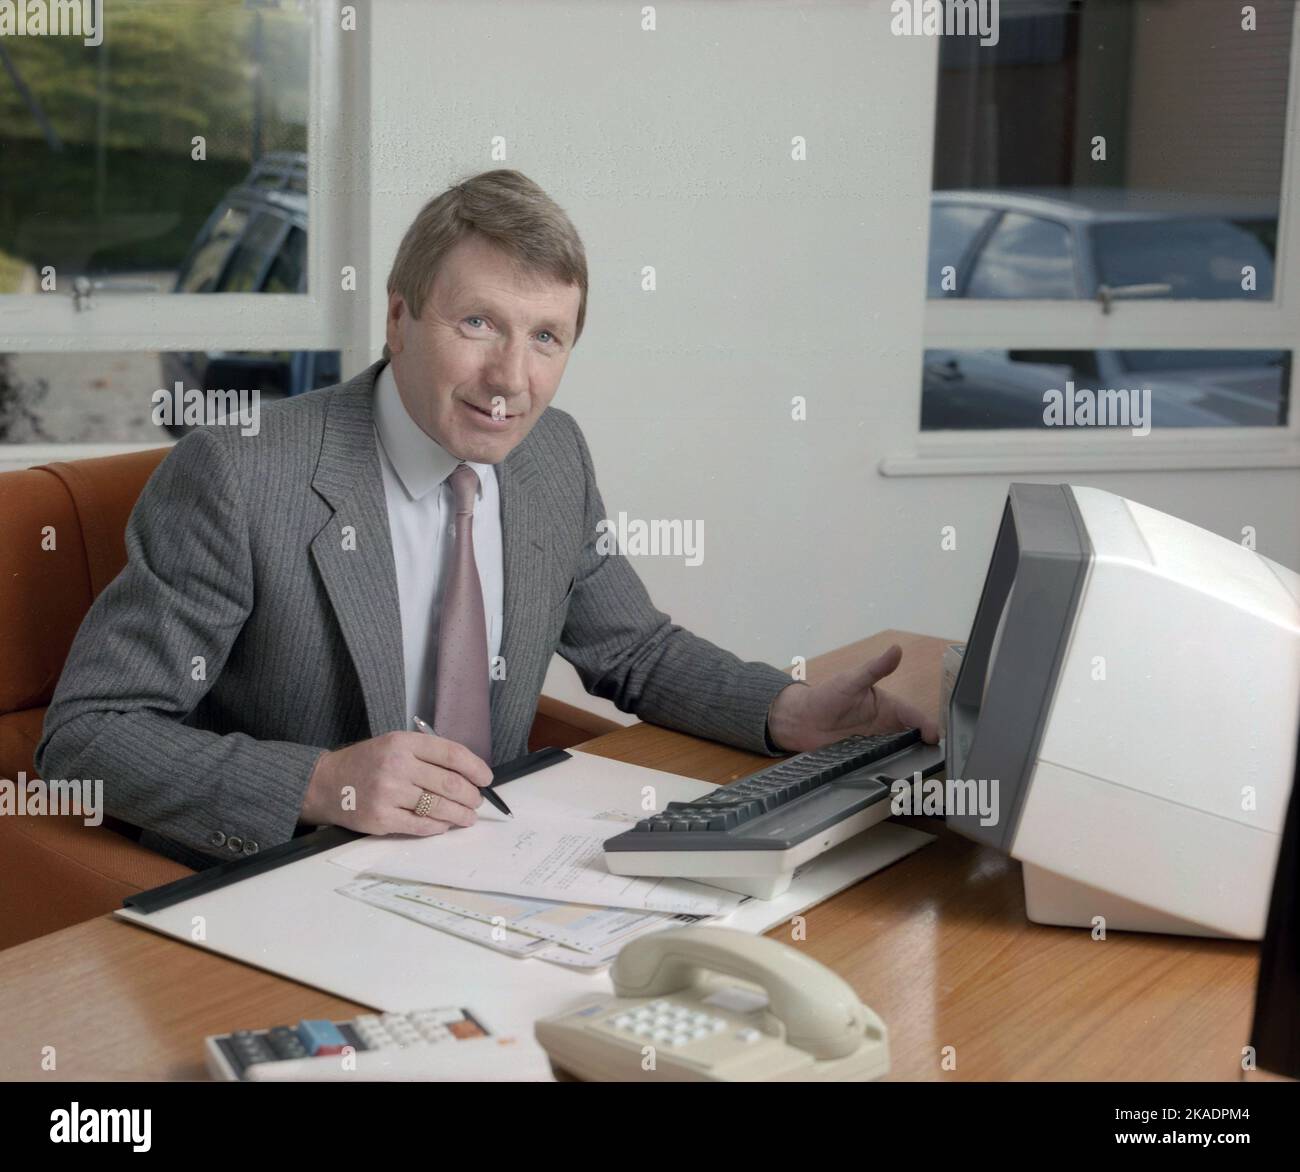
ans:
(1130, 687)
(1275, 1031)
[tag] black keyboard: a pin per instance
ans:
(777, 807)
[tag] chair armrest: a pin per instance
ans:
(56, 871)
(565, 725)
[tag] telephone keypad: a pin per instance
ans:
(671, 1024)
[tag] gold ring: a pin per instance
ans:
(424, 805)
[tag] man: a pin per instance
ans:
(415, 542)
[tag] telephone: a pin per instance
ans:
(709, 1003)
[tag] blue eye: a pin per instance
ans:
(548, 332)
(474, 318)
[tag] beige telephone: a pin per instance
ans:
(693, 1004)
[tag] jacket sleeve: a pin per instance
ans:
(627, 651)
(133, 674)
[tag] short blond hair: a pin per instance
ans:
(509, 210)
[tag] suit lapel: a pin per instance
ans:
(354, 552)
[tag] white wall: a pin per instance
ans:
(775, 278)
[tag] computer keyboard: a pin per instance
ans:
(750, 835)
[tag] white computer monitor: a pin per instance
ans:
(1131, 684)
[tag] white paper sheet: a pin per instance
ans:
(575, 925)
(538, 853)
(571, 934)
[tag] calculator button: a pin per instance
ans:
(286, 1043)
(251, 1047)
(700, 1032)
(623, 1021)
(748, 1036)
(320, 1037)
(678, 1040)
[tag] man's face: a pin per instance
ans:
(486, 355)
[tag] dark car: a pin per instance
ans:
(254, 242)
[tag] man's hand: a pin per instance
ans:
(804, 717)
(387, 776)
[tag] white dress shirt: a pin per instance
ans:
(421, 521)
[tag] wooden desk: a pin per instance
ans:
(938, 944)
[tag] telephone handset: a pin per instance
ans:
(717, 1003)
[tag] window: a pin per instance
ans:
(1191, 258)
(216, 244)
(289, 269)
(954, 228)
(1107, 212)
(253, 255)
(131, 255)
(104, 178)
(1025, 257)
(967, 390)
(109, 397)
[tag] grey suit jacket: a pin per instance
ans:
(256, 625)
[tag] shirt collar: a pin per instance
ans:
(421, 463)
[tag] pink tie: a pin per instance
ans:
(461, 710)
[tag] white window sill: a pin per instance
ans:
(976, 457)
(16, 456)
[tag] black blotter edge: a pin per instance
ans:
(323, 839)
(528, 763)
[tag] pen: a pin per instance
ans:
(487, 791)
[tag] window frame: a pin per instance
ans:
(323, 318)
(958, 323)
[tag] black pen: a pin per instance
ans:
(487, 791)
